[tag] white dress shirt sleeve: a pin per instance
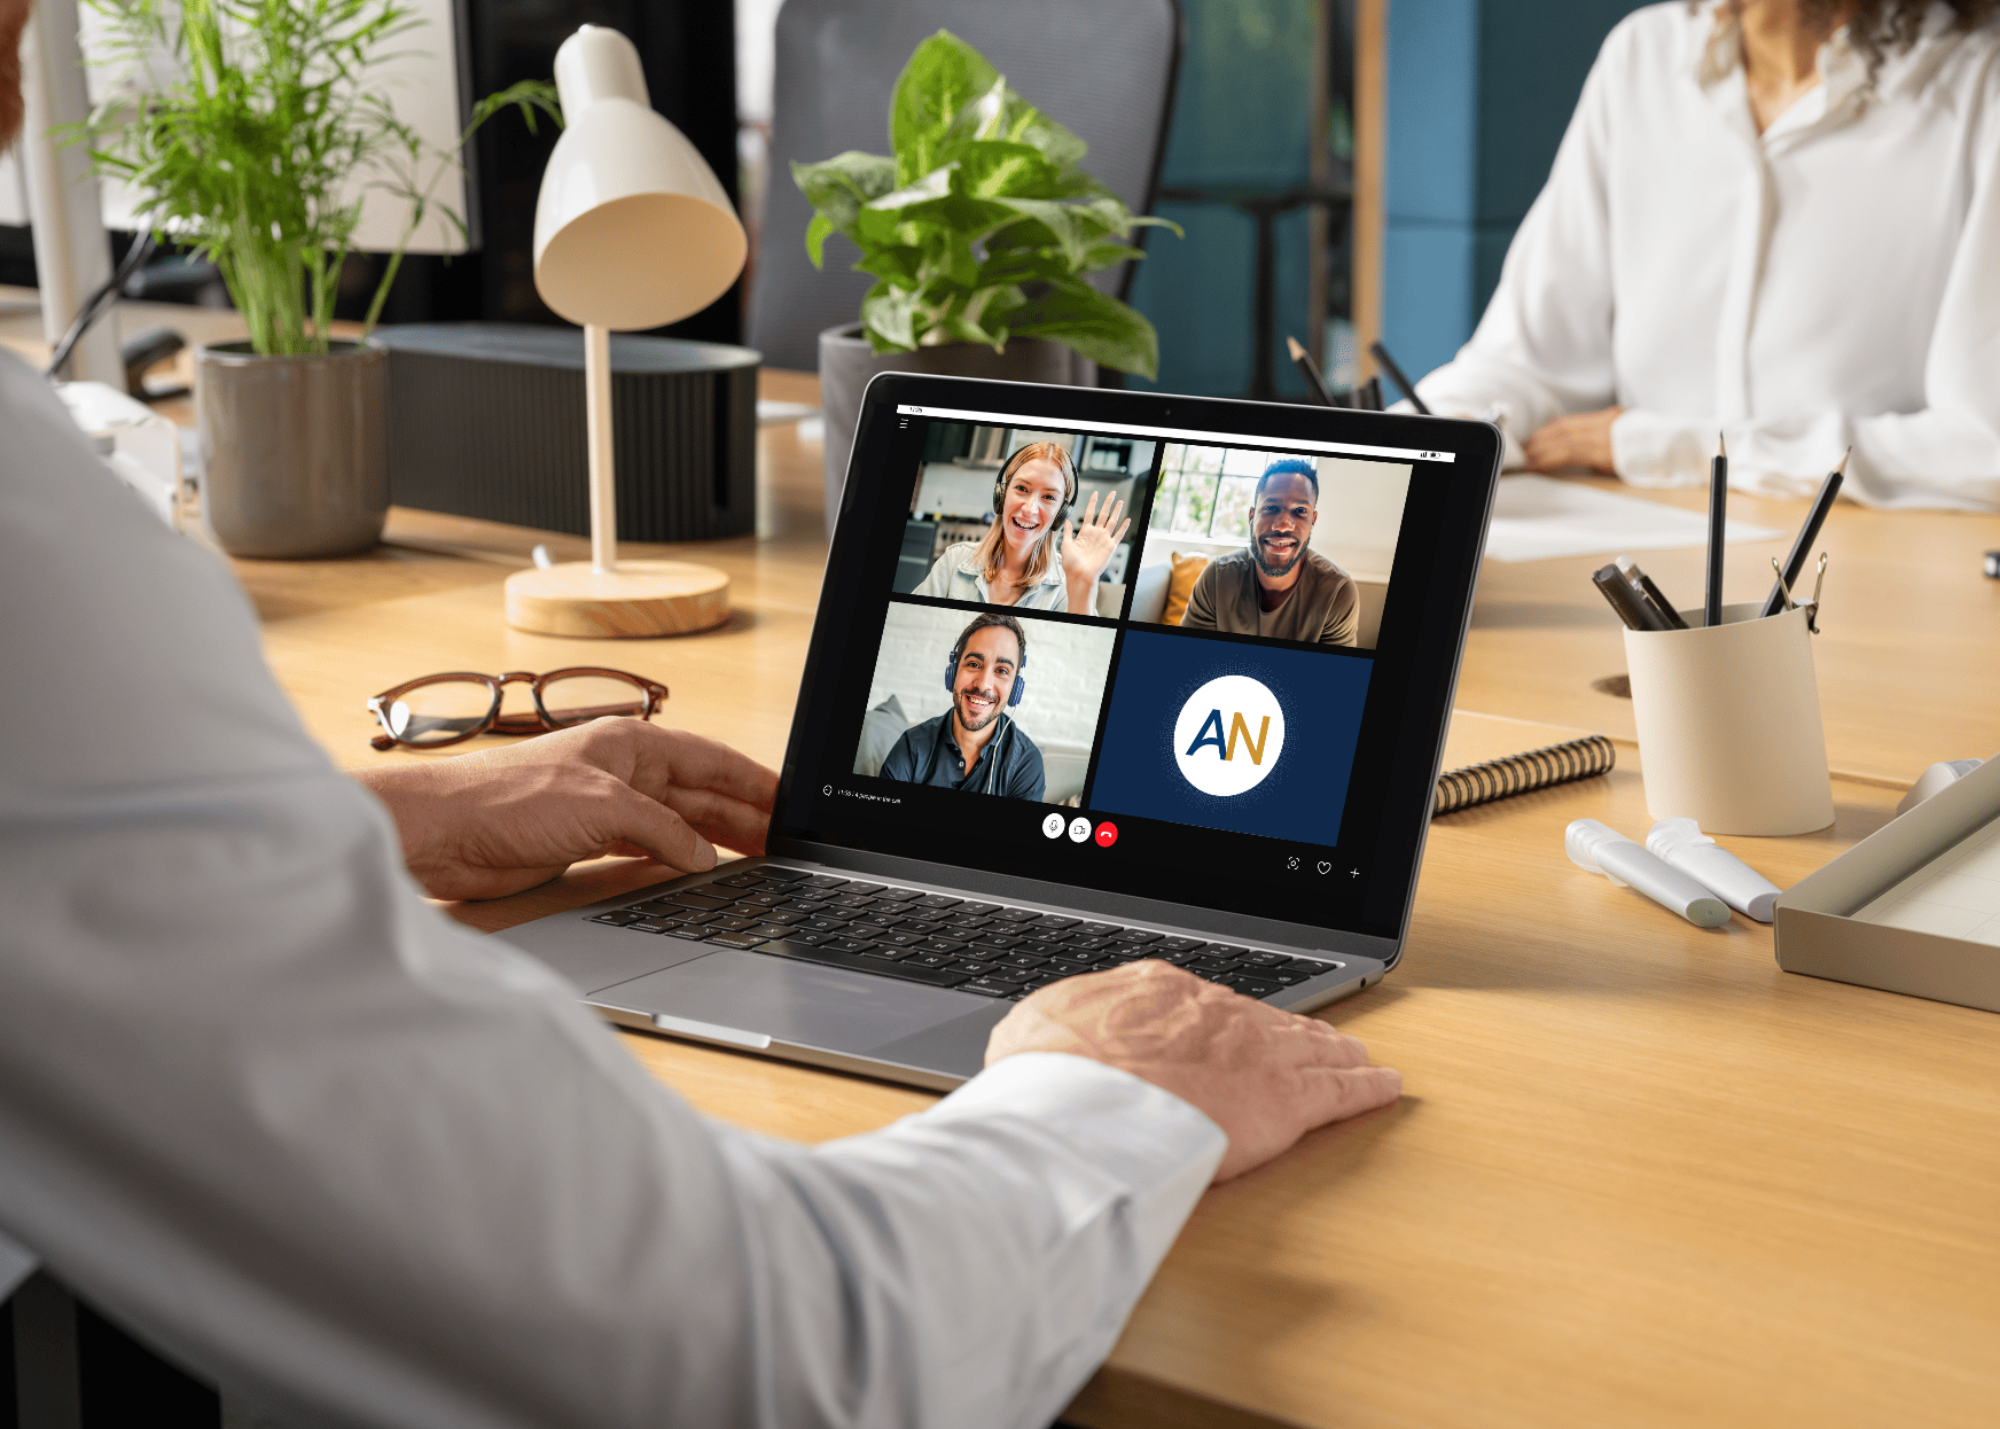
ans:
(263, 1104)
(1674, 313)
(1945, 455)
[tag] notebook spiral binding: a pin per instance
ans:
(1544, 768)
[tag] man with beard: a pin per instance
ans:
(974, 745)
(1279, 587)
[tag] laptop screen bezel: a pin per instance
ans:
(1474, 448)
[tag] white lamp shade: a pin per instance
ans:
(632, 229)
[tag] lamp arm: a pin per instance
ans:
(603, 492)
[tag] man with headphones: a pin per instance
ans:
(1278, 586)
(1030, 555)
(974, 745)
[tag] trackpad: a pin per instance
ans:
(791, 1001)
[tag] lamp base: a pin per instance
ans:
(638, 599)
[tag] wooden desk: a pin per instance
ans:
(1640, 1176)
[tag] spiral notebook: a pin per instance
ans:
(1488, 758)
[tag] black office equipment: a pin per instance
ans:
(1396, 375)
(1718, 516)
(487, 420)
(1795, 563)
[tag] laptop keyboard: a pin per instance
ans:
(984, 948)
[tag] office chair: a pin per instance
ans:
(1103, 68)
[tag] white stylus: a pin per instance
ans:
(1682, 843)
(1602, 849)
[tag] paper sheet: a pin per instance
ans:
(1539, 517)
(1956, 894)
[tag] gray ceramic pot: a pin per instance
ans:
(846, 362)
(294, 450)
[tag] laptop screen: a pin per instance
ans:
(1206, 661)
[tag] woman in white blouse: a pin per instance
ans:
(1774, 219)
(1030, 557)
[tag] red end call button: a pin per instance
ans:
(1107, 834)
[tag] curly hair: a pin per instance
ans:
(1877, 27)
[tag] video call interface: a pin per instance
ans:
(1120, 647)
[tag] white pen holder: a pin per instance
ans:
(1729, 726)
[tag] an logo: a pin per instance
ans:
(1229, 735)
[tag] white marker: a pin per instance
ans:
(1682, 843)
(1604, 850)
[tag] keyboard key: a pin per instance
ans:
(1059, 968)
(807, 936)
(1015, 975)
(792, 948)
(825, 880)
(988, 989)
(1265, 960)
(1018, 915)
(696, 900)
(1023, 960)
(976, 910)
(650, 925)
(689, 932)
(821, 924)
(1138, 935)
(765, 900)
(1249, 986)
(741, 880)
(940, 945)
(900, 895)
(1051, 921)
(690, 915)
(1210, 965)
(1101, 930)
(731, 924)
(928, 960)
(1181, 960)
(881, 920)
(772, 930)
(1224, 950)
(781, 915)
(995, 948)
(864, 888)
(737, 940)
(975, 966)
(784, 875)
(618, 917)
(899, 940)
(848, 945)
(938, 900)
(1311, 968)
(1290, 977)
(1180, 945)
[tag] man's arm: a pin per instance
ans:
(901, 764)
(1200, 614)
(1342, 625)
(261, 1102)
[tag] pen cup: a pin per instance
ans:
(1729, 726)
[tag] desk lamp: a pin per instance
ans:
(632, 230)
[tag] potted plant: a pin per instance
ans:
(258, 150)
(979, 231)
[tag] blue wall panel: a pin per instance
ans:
(1479, 93)
(1241, 117)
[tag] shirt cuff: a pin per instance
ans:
(1158, 1145)
(1653, 449)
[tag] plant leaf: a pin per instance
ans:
(838, 187)
(890, 318)
(817, 232)
(942, 77)
(1100, 327)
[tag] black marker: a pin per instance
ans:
(1643, 583)
(1636, 613)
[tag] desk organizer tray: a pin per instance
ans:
(1914, 907)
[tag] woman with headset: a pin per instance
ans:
(1031, 556)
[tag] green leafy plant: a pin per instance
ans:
(982, 225)
(259, 148)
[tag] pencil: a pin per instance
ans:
(1314, 382)
(1795, 564)
(1388, 365)
(1718, 515)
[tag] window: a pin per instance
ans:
(1207, 491)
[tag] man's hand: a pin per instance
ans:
(489, 824)
(1583, 440)
(1265, 1077)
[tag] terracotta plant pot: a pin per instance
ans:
(846, 362)
(294, 450)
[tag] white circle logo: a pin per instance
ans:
(1079, 830)
(1053, 826)
(1229, 735)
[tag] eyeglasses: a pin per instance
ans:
(451, 708)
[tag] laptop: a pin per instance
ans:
(1210, 737)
